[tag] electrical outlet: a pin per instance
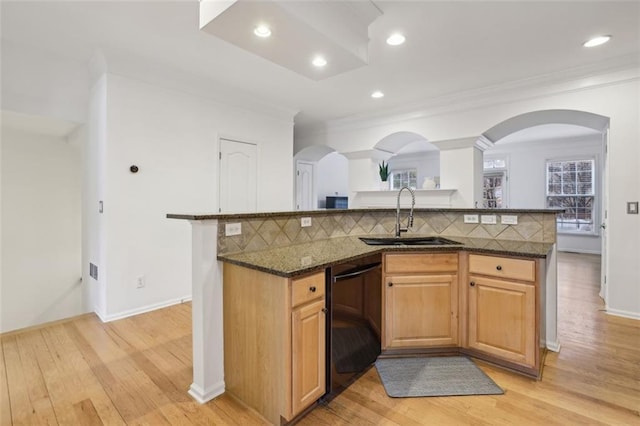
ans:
(471, 218)
(141, 281)
(305, 221)
(232, 229)
(488, 219)
(509, 219)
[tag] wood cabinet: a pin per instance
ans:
(274, 340)
(420, 300)
(308, 339)
(503, 308)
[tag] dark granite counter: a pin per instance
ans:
(297, 259)
(222, 216)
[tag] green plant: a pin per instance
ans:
(384, 171)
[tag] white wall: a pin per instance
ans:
(173, 139)
(41, 226)
(527, 177)
(615, 96)
(332, 172)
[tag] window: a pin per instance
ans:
(400, 178)
(570, 186)
(492, 195)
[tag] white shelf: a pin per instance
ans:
(434, 198)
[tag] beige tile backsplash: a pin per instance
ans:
(262, 233)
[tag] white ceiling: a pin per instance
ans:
(453, 47)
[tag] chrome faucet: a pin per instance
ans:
(400, 230)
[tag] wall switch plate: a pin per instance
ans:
(232, 229)
(488, 219)
(305, 221)
(632, 207)
(141, 281)
(471, 218)
(509, 219)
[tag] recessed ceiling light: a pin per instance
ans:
(377, 94)
(262, 31)
(395, 39)
(597, 41)
(319, 61)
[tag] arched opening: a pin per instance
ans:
(413, 160)
(321, 178)
(557, 158)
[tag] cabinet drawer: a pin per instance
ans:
(306, 289)
(421, 262)
(503, 267)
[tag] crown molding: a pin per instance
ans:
(615, 71)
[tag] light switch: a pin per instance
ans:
(232, 229)
(471, 218)
(488, 219)
(509, 219)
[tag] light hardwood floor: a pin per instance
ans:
(137, 371)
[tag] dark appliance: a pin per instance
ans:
(354, 300)
(337, 202)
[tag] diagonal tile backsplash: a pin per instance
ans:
(261, 233)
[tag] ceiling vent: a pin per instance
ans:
(299, 31)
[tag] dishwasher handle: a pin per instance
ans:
(356, 271)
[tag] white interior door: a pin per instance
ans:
(238, 177)
(304, 186)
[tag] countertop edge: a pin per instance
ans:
(222, 216)
(377, 250)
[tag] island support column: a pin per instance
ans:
(206, 308)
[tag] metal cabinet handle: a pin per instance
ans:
(499, 268)
(472, 283)
(312, 289)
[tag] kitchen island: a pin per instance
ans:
(276, 245)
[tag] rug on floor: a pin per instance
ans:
(434, 376)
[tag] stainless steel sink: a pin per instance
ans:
(408, 241)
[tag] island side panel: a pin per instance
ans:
(257, 340)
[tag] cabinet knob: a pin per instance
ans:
(312, 289)
(325, 310)
(472, 283)
(499, 268)
(390, 284)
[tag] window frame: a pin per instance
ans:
(393, 172)
(595, 195)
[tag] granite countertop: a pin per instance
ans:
(297, 259)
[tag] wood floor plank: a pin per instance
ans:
(5, 403)
(138, 370)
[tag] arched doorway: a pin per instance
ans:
(320, 172)
(539, 167)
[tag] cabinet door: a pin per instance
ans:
(502, 319)
(421, 311)
(308, 354)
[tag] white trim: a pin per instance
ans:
(557, 83)
(623, 314)
(143, 309)
(203, 396)
(553, 346)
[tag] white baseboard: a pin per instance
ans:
(624, 314)
(143, 309)
(553, 346)
(203, 396)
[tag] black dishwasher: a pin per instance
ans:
(354, 300)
